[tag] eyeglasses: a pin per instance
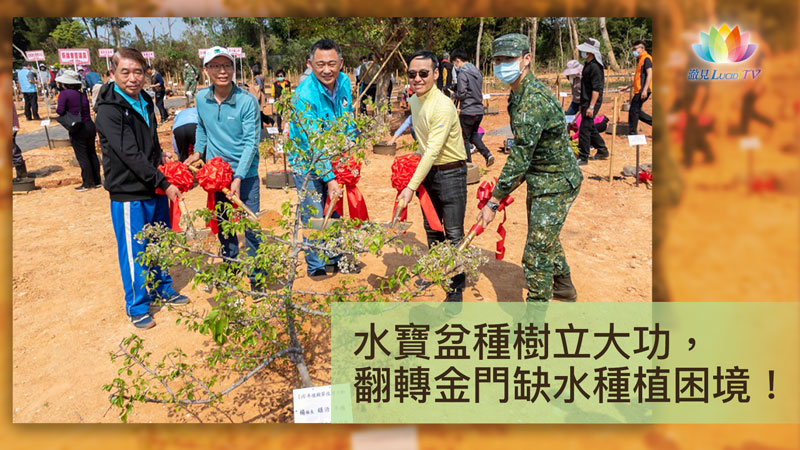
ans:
(412, 74)
(215, 67)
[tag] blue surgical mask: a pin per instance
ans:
(507, 72)
(280, 78)
(635, 54)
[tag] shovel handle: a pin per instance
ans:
(240, 203)
(474, 231)
(182, 206)
(328, 214)
(401, 205)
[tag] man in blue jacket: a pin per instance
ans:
(229, 125)
(126, 125)
(320, 99)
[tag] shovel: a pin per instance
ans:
(317, 223)
(396, 223)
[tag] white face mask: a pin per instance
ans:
(583, 54)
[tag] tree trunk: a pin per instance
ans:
(573, 37)
(263, 44)
(88, 28)
(478, 50)
(560, 47)
(532, 38)
(612, 60)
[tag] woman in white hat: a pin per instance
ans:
(73, 100)
(573, 74)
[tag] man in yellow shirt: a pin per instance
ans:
(443, 167)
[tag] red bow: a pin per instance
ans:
(214, 176)
(403, 169)
(645, 176)
(179, 176)
(484, 195)
(348, 175)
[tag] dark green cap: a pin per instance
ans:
(513, 45)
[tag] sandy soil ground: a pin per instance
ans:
(68, 310)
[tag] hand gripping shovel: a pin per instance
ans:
(396, 224)
(235, 199)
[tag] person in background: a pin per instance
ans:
(368, 72)
(131, 155)
(159, 88)
(573, 74)
(642, 88)
(592, 84)
(280, 84)
(190, 78)
(74, 100)
(445, 81)
(470, 97)
(16, 153)
(43, 78)
(27, 84)
(184, 129)
(52, 84)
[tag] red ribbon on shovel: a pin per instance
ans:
(348, 175)
(484, 195)
(403, 169)
(179, 176)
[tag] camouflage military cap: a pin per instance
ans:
(513, 45)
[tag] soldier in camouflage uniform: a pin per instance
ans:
(541, 156)
(190, 82)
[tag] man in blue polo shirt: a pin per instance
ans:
(229, 125)
(322, 97)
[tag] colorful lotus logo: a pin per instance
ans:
(724, 45)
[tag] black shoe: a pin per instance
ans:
(599, 157)
(489, 160)
(318, 273)
(455, 296)
(583, 161)
(563, 290)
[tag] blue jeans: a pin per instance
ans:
(250, 195)
(129, 218)
(315, 186)
(573, 109)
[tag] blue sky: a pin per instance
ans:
(146, 25)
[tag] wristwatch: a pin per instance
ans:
(493, 205)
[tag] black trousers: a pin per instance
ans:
(448, 192)
(184, 139)
(160, 106)
(83, 144)
(31, 106)
(589, 137)
(635, 114)
(371, 94)
(16, 154)
(469, 131)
